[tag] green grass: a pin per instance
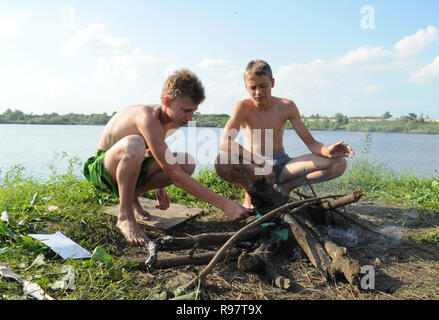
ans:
(67, 203)
(379, 182)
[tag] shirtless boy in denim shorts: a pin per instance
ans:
(262, 119)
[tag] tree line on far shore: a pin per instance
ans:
(19, 117)
(410, 123)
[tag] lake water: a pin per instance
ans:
(38, 147)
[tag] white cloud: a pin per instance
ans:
(113, 42)
(224, 85)
(133, 66)
(316, 74)
(93, 36)
(170, 69)
(214, 64)
(11, 24)
(355, 72)
(52, 88)
(372, 88)
(68, 17)
(426, 74)
(237, 74)
(365, 55)
(336, 81)
(415, 43)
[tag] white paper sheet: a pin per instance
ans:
(62, 245)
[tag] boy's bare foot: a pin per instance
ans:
(132, 232)
(139, 212)
(248, 202)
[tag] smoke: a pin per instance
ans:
(389, 235)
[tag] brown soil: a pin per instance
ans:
(401, 271)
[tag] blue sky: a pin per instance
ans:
(355, 57)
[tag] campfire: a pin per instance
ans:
(311, 223)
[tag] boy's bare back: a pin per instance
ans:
(126, 122)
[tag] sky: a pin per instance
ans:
(359, 58)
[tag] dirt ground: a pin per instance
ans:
(400, 271)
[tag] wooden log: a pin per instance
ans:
(205, 240)
(342, 201)
(260, 260)
(246, 262)
(311, 246)
(324, 212)
(340, 263)
(264, 197)
(257, 260)
(178, 261)
(343, 264)
(275, 279)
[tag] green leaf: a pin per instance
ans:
(101, 255)
(159, 296)
(179, 291)
(5, 231)
(39, 261)
(34, 199)
(5, 251)
(188, 296)
(3, 228)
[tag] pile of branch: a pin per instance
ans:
(301, 218)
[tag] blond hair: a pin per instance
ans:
(184, 83)
(259, 68)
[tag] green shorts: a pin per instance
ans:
(96, 173)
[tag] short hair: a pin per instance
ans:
(184, 83)
(259, 68)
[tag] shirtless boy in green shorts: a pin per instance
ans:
(133, 158)
(263, 119)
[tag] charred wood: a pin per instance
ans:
(184, 260)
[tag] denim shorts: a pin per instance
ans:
(278, 161)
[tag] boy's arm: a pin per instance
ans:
(302, 131)
(337, 150)
(152, 131)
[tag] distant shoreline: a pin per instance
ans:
(339, 122)
(287, 128)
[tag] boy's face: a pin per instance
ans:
(259, 88)
(180, 110)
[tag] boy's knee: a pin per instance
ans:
(188, 168)
(222, 165)
(186, 161)
(134, 147)
(340, 165)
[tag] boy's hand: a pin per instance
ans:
(340, 150)
(235, 211)
(163, 201)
